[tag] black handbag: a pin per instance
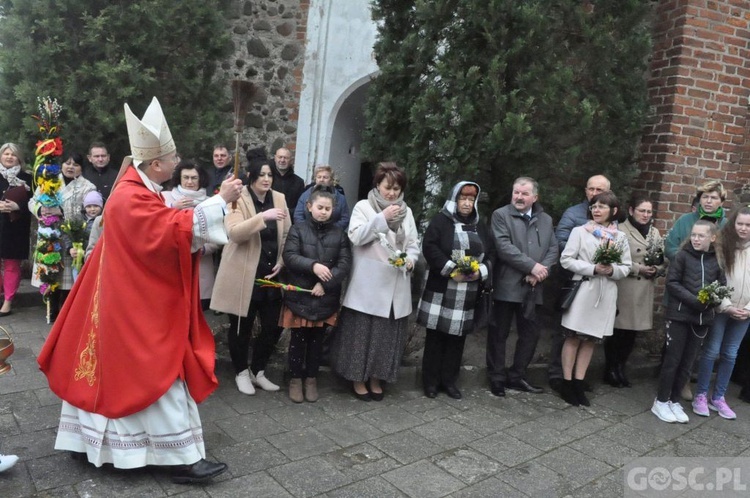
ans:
(568, 293)
(483, 308)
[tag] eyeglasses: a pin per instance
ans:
(190, 178)
(599, 207)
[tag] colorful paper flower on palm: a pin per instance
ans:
(47, 182)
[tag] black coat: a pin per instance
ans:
(15, 235)
(438, 245)
(689, 272)
(290, 185)
(308, 243)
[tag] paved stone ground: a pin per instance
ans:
(407, 445)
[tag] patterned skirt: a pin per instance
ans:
(367, 346)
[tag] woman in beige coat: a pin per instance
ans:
(591, 316)
(256, 227)
(635, 294)
(373, 327)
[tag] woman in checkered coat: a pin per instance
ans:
(450, 295)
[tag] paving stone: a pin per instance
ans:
(649, 424)
(481, 420)
(390, 419)
(30, 445)
(505, 449)
(540, 434)
(630, 437)
(309, 477)
(468, 465)
(16, 482)
(430, 409)
(374, 487)
(60, 470)
(257, 485)
(604, 449)
(302, 443)
(244, 404)
(406, 446)
(8, 425)
(361, 461)
(120, 483)
(298, 415)
(710, 437)
(489, 488)
(216, 408)
(618, 401)
(609, 485)
(250, 426)
(446, 433)
(345, 405)
(574, 466)
(423, 479)
(349, 431)
(536, 480)
(251, 456)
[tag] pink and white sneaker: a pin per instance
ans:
(721, 406)
(700, 405)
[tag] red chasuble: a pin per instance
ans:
(132, 323)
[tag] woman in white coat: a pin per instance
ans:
(591, 317)
(373, 327)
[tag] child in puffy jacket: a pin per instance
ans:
(317, 257)
(688, 319)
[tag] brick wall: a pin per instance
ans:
(698, 89)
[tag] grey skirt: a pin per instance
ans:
(367, 346)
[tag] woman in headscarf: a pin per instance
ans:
(373, 327)
(447, 306)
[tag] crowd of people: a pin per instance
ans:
(164, 229)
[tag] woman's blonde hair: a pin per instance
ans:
(16, 150)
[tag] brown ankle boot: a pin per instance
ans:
(311, 389)
(295, 390)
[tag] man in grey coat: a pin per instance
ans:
(526, 249)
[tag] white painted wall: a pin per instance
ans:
(338, 62)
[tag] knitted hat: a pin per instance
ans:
(93, 198)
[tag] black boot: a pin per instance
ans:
(621, 375)
(568, 394)
(611, 377)
(580, 392)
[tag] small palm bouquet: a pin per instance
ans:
(609, 252)
(465, 265)
(75, 229)
(713, 293)
(654, 252)
(397, 257)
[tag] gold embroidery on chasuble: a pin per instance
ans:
(87, 360)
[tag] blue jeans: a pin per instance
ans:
(722, 343)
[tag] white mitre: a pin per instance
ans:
(149, 137)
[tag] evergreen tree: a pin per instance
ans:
(95, 55)
(489, 91)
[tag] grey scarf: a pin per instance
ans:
(378, 203)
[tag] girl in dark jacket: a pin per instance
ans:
(317, 256)
(694, 267)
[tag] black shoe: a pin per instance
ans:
(556, 384)
(611, 378)
(362, 397)
(497, 388)
(200, 471)
(620, 370)
(524, 386)
(5, 313)
(79, 457)
(568, 393)
(452, 392)
(430, 391)
(580, 393)
(377, 396)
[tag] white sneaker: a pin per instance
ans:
(663, 411)
(678, 412)
(261, 381)
(7, 461)
(244, 384)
